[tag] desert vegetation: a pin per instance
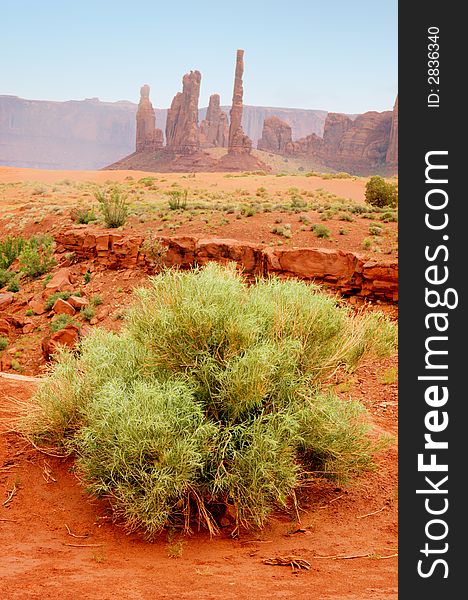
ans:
(212, 396)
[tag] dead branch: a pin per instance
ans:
(74, 534)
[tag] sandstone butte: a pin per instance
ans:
(276, 135)
(185, 138)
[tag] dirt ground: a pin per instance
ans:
(347, 534)
(58, 542)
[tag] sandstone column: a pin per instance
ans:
(214, 129)
(147, 136)
(182, 132)
(392, 151)
(239, 143)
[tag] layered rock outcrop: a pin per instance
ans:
(344, 272)
(148, 138)
(359, 146)
(214, 129)
(276, 136)
(182, 132)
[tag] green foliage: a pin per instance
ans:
(6, 277)
(381, 193)
(10, 248)
(87, 277)
(83, 215)
(14, 285)
(177, 199)
(209, 396)
(284, 230)
(88, 312)
(3, 343)
(375, 230)
(96, 300)
(321, 231)
(113, 206)
(37, 256)
(48, 304)
(60, 322)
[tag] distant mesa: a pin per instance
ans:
(186, 140)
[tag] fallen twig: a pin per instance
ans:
(8, 521)
(368, 555)
(375, 512)
(74, 534)
(334, 500)
(83, 545)
(10, 495)
(295, 562)
(47, 473)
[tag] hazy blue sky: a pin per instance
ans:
(336, 55)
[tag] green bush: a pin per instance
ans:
(177, 199)
(6, 277)
(82, 215)
(380, 193)
(88, 312)
(10, 249)
(55, 296)
(60, 322)
(37, 256)
(3, 343)
(211, 396)
(321, 231)
(113, 206)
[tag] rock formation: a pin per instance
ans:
(239, 143)
(214, 129)
(148, 138)
(239, 157)
(392, 151)
(276, 135)
(358, 146)
(182, 132)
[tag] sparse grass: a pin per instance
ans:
(83, 215)
(321, 231)
(389, 376)
(113, 206)
(284, 230)
(177, 199)
(96, 300)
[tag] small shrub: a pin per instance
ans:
(83, 215)
(380, 193)
(60, 322)
(249, 211)
(10, 249)
(366, 243)
(321, 231)
(113, 206)
(389, 376)
(177, 199)
(14, 285)
(5, 277)
(88, 312)
(87, 277)
(37, 256)
(55, 296)
(285, 230)
(346, 217)
(3, 343)
(389, 217)
(375, 230)
(29, 312)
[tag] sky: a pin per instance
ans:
(334, 55)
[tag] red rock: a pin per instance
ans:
(77, 302)
(148, 138)
(59, 282)
(37, 306)
(68, 336)
(6, 299)
(214, 129)
(4, 327)
(29, 327)
(62, 307)
(182, 132)
(276, 136)
(392, 151)
(5, 361)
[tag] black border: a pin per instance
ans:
(423, 129)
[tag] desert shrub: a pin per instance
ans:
(177, 199)
(88, 312)
(380, 193)
(10, 248)
(37, 256)
(3, 343)
(82, 215)
(248, 211)
(6, 277)
(321, 231)
(60, 322)
(389, 217)
(14, 284)
(284, 230)
(210, 396)
(113, 206)
(55, 296)
(375, 230)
